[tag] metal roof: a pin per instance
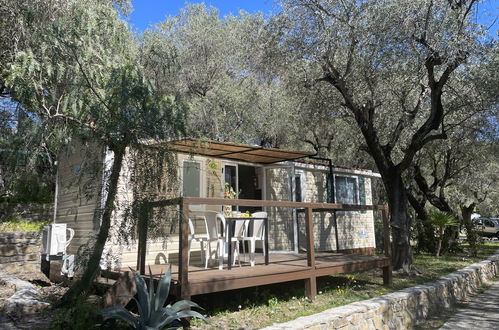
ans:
(236, 151)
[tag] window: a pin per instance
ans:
(488, 223)
(346, 190)
(191, 179)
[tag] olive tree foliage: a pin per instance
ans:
(321, 124)
(77, 71)
(21, 22)
(391, 63)
(212, 62)
(459, 174)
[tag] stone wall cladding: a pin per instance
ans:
(404, 308)
(20, 252)
(355, 228)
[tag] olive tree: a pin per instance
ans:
(391, 62)
(214, 63)
(78, 72)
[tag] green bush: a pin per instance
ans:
(16, 224)
(81, 315)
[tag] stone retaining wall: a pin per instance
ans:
(20, 252)
(404, 308)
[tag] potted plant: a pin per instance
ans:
(229, 193)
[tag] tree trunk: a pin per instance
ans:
(82, 286)
(471, 234)
(425, 232)
(399, 221)
(440, 239)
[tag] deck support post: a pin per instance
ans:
(387, 271)
(311, 287)
(183, 265)
(310, 283)
(142, 235)
(387, 275)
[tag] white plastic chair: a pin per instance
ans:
(239, 230)
(211, 235)
(258, 234)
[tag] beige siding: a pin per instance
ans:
(164, 249)
(116, 250)
(78, 196)
(355, 229)
(281, 232)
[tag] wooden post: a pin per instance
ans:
(387, 271)
(388, 275)
(336, 236)
(142, 233)
(183, 253)
(386, 233)
(310, 283)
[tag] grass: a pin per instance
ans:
(262, 306)
(18, 225)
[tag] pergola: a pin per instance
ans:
(235, 151)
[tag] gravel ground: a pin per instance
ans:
(49, 292)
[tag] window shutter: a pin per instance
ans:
(191, 179)
(329, 188)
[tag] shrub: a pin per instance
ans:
(81, 315)
(441, 220)
(16, 224)
(152, 314)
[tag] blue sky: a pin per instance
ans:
(147, 12)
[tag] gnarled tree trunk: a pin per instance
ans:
(82, 286)
(399, 221)
(471, 234)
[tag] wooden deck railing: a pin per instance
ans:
(308, 208)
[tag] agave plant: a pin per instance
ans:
(152, 314)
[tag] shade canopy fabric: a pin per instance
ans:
(235, 151)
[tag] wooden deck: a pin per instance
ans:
(282, 268)
(190, 280)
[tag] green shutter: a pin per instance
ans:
(330, 188)
(191, 179)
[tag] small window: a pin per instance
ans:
(298, 188)
(191, 179)
(346, 190)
